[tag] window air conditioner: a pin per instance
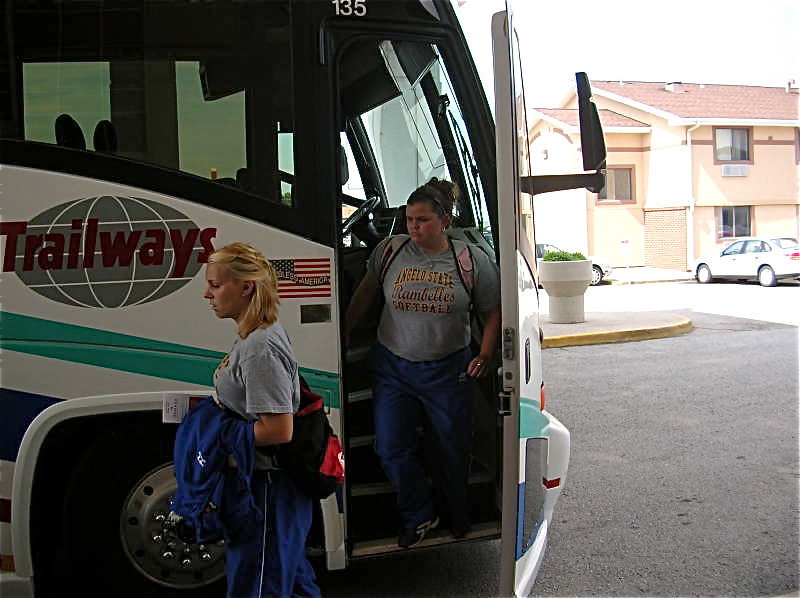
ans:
(735, 169)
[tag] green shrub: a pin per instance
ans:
(563, 256)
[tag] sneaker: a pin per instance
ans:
(411, 536)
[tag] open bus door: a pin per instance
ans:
(535, 444)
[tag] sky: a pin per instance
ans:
(742, 42)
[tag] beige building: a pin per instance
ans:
(690, 167)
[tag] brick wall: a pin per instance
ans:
(665, 238)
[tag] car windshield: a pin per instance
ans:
(785, 242)
(733, 248)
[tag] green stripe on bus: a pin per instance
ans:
(16, 327)
(532, 422)
(170, 366)
(324, 384)
(127, 353)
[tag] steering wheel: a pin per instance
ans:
(362, 211)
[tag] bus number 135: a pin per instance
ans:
(348, 8)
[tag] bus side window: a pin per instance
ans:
(62, 100)
(211, 132)
(212, 100)
(286, 167)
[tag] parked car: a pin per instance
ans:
(752, 258)
(600, 267)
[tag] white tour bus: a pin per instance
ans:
(137, 136)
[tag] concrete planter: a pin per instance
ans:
(565, 283)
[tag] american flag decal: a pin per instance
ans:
(303, 277)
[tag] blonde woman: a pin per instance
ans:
(258, 380)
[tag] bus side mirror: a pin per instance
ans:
(593, 148)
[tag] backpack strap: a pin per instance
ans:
(309, 400)
(390, 251)
(465, 267)
(315, 405)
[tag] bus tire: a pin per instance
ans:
(99, 489)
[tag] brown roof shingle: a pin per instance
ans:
(697, 100)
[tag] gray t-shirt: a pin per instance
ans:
(426, 312)
(259, 375)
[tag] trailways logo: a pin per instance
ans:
(106, 251)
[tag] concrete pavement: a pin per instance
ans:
(641, 274)
(615, 327)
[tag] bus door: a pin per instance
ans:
(535, 445)
(402, 118)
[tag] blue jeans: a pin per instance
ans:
(437, 394)
(271, 561)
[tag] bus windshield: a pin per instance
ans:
(424, 144)
(414, 132)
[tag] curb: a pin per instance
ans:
(615, 282)
(683, 326)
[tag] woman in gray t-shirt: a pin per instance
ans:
(258, 379)
(423, 361)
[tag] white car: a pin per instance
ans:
(755, 258)
(600, 267)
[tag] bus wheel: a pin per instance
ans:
(116, 500)
(161, 557)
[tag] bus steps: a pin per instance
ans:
(383, 520)
(357, 354)
(365, 394)
(481, 476)
(369, 439)
(437, 537)
(361, 441)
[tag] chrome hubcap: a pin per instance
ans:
(163, 557)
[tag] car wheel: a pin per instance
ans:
(597, 275)
(703, 274)
(766, 277)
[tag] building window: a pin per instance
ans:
(619, 185)
(733, 221)
(732, 145)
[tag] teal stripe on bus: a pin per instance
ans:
(127, 353)
(532, 422)
(324, 384)
(16, 327)
(170, 366)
